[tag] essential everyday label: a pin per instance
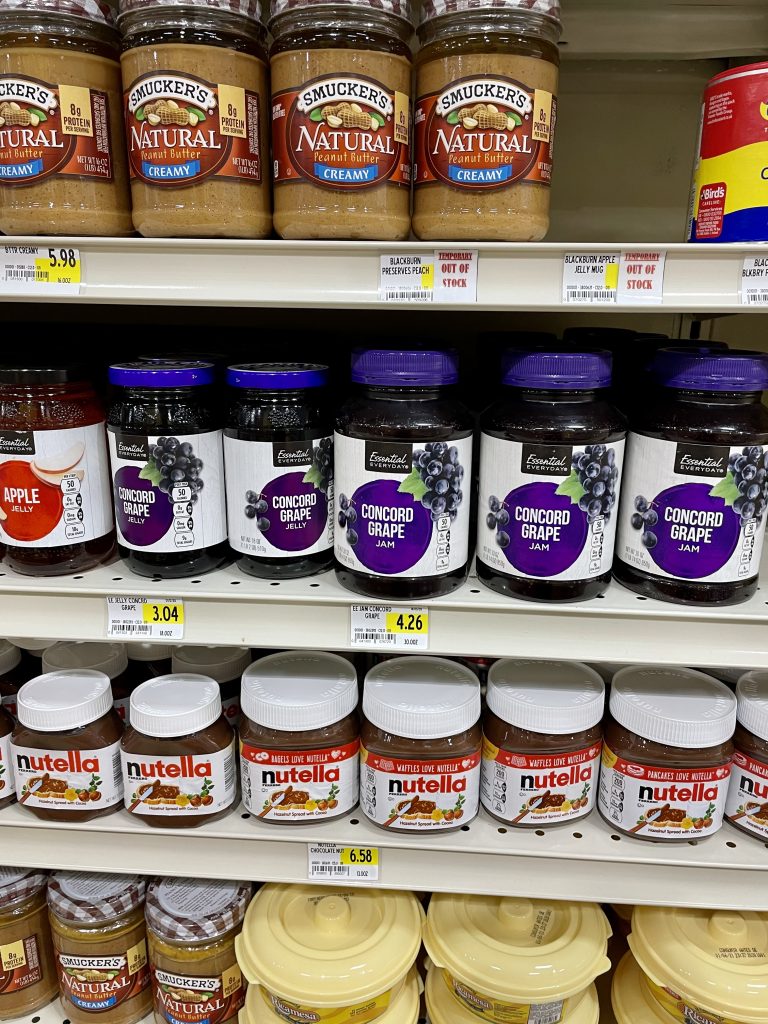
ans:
(53, 486)
(191, 999)
(532, 789)
(747, 801)
(417, 795)
(492, 1009)
(400, 506)
(299, 785)
(279, 496)
(199, 784)
(693, 511)
(20, 965)
(169, 490)
(98, 983)
(548, 511)
(359, 1013)
(67, 780)
(662, 803)
(7, 785)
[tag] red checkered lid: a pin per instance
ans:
(245, 8)
(399, 8)
(93, 899)
(437, 8)
(19, 884)
(91, 10)
(193, 910)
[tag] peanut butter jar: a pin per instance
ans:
(27, 974)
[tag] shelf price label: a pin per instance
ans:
(388, 626)
(37, 270)
(754, 281)
(590, 278)
(329, 861)
(445, 275)
(144, 618)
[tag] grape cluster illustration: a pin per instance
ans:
(439, 468)
(598, 475)
(177, 465)
(256, 506)
(348, 518)
(645, 518)
(497, 519)
(750, 475)
(322, 463)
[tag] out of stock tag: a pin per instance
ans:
(590, 277)
(641, 278)
(391, 627)
(754, 281)
(456, 275)
(34, 270)
(350, 863)
(143, 618)
(446, 276)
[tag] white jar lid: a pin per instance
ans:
(299, 690)
(110, 659)
(59, 701)
(34, 645)
(175, 705)
(10, 656)
(148, 652)
(679, 707)
(752, 697)
(560, 697)
(421, 698)
(220, 663)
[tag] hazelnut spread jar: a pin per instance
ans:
(341, 113)
(196, 117)
(299, 737)
(225, 665)
(667, 754)
(420, 745)
(747, 806)
(65, 748)
(7, 786)
(485, 116)
(27, 969)
(62, 149)
(542, 740)
(110, 659)
(11, 676)
(54, 472)
(99, 937)
(178, 753)
(145, 661)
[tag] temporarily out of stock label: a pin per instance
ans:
(443, 276)
(28, 269)
(352, 863)
(754, 281)
(144, 618)
(641, 278)
(396, 628)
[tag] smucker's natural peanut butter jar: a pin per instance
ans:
(196, 117)
(62, 150)
(341, 86)
(485, 116)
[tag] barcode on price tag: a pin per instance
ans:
(590, 277)
(142, 618)
(754, 281)
(29, 269)
(389, 626)
(349, 863)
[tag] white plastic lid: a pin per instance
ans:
(220, 663)
(110, 659)
(175, 705)
(561, 697)
(421, 698)
(10, 656)
(34, 645)
(58, 701)
(299, 690)
(148, 652)
(679, 707)
(752, 697)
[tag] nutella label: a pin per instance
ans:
(299, 785)
(188, 784)
(360, 1013)
(122, 706)
(747, 801)
(419, 795)
(20, 965)
(662, 803)
(189, 999)
(686, 1012)
(97, 983)
(532, 789)
(67, 779)
(6, 768)
(230, 708)
(492, 1009)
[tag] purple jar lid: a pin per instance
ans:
(556, 371)
(405, 367)
(710, 369)
(277, 376)
(170, 373)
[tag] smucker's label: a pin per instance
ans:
(498, 1012)
(199, 784)
(20, 965)
(189, 999)
(182, 130)
(482, 133)
(747, 801)
(344, 132)
(7, 786)
(359, 1013)
(52, 130)
(69, 780)
(98, 983)
(299, 785)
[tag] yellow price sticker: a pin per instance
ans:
(60, 266)
(407, 622)
(612, 276)
(172, 614)
(428, 276)
(359, 855)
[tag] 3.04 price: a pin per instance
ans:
(172, 613)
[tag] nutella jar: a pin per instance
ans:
(145, 661)
(7, 787)
(97, 657)
(667, 754)
(421, 743)
(747, 806)
(178, 753)
(299, 737)
(27, 970)
(224, 664)
(11, 676)
(65, 747)
(542, 740)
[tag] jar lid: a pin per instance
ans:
(148, 651)
(421, 698)
(437, 8)
(175, 705)
(170, 373)
(556, 371)
(560, 697)
(195, 910)
(299, 690)
(32, 645)
(93, 899)
(711, 369)
(398, 8)
(443, 1008)
(277, 376)
(110, 659)
(245, 8)
(514, 948)
(10, 656)
(58, 701)
(224, 664)
(313, 944)
(26, 374)
(632, 1000)
(19, 884)
(752, 697)
(675, 706)
(405, 367)
(715, 959)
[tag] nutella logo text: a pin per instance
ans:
(546, 460)
(701, 460)
(433, 784)
(381, 457)
(698, 791)
(185, 766)
(576, 775)
(67, 761)
(317, 773)
(17, 442)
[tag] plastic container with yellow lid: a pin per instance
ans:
(710, 966)
(631, 998)
(509, 959)
(329, 955)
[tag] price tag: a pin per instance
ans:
(641, 278)
(389, 626)
(455, 276)
(144, 618)
(590, 277)
(33, 270)
(407, 277)
(754, 281)
(352, 863)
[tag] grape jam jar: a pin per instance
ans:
(278, 455)
(165, 446)
(551, 453)
(691, 524)
(403, 445)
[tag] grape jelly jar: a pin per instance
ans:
(551, 453)
(403, 445)
(691, 523)
(278, 454)
(165, 446)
